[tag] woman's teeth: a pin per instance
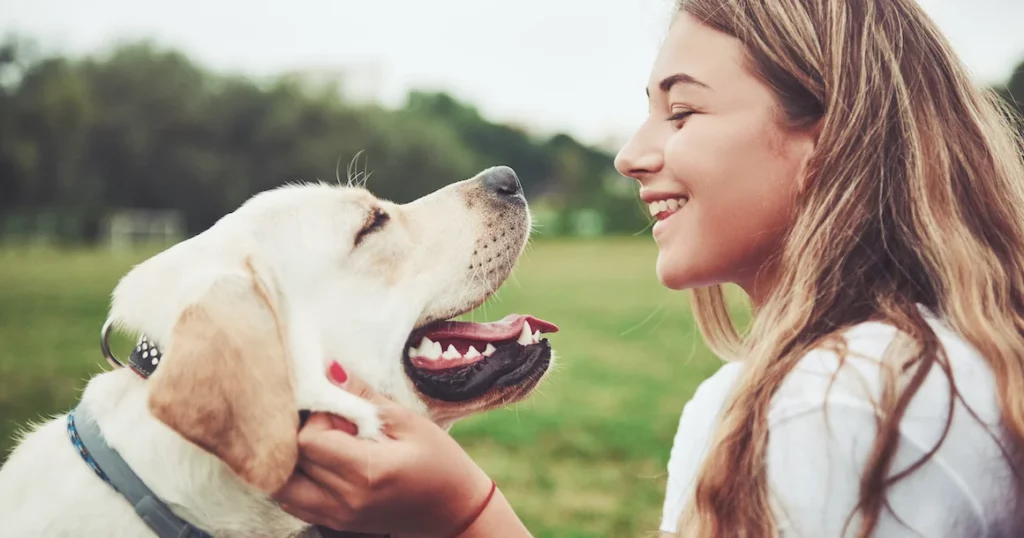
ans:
(671, 205)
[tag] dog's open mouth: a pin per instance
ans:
(455, 361)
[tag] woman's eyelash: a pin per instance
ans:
(681, 115)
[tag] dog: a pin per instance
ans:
(237, 327)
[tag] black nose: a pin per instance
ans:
(502, 180)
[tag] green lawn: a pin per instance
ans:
(584, 458)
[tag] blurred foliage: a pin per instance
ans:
(1013, 92)
(145, 127)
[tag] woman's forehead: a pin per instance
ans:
(697, 55)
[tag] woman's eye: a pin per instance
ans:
(680, 116)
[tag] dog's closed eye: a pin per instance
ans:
(375, 220)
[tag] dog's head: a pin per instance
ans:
(254, 308)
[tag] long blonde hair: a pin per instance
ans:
(914, 196)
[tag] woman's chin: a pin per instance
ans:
(671, 273)
(681, 274)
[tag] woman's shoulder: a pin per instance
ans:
(823, 424)
(852, 369)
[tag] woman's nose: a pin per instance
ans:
(640, 157)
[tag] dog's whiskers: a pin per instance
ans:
(476, 277)
(357, 178)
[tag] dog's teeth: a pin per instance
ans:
(451, 353)
(526, 336)
(413, 352)
(489, 350)
(472, 353)
(424, 348)
(433, 352)
(425, 345)
(536, 336)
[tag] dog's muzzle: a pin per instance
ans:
(511, 365)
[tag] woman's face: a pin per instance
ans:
(713, 162)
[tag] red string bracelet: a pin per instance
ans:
(476, 515)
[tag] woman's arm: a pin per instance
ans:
(416, 482)
(497, 519)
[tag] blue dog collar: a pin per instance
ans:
(111, 468)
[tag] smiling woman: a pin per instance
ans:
(713, 141)
(836, 162)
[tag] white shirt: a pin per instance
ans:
(964, 491)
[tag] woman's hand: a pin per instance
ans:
(417, 481)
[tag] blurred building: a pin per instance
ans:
(126, 229)
(361, 82)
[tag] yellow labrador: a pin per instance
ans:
(240, 323)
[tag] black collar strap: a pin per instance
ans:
(145, 357)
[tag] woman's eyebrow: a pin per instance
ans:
(668, 82)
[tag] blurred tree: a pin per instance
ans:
(15, 155)
(491, 143)
(1013, 91)
(145, 127)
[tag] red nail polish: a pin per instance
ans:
(337, 373)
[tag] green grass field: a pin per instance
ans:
(584, 458)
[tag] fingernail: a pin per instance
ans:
(337, 373)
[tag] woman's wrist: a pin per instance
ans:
(468, 522)
(496, 519)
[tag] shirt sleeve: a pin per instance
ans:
(680, 473)
(693, 435)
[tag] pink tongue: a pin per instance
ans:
(506, 328)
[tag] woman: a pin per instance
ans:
(834, 160)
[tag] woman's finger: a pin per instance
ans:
(342, 454)
(394, 417)
(330, 533)
(352, 383)
(302, 491)
(348, 490)
(313, 518)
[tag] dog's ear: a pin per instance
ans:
(225, 382)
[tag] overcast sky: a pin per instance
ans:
(573, 65)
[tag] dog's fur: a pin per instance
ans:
(249, 314)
